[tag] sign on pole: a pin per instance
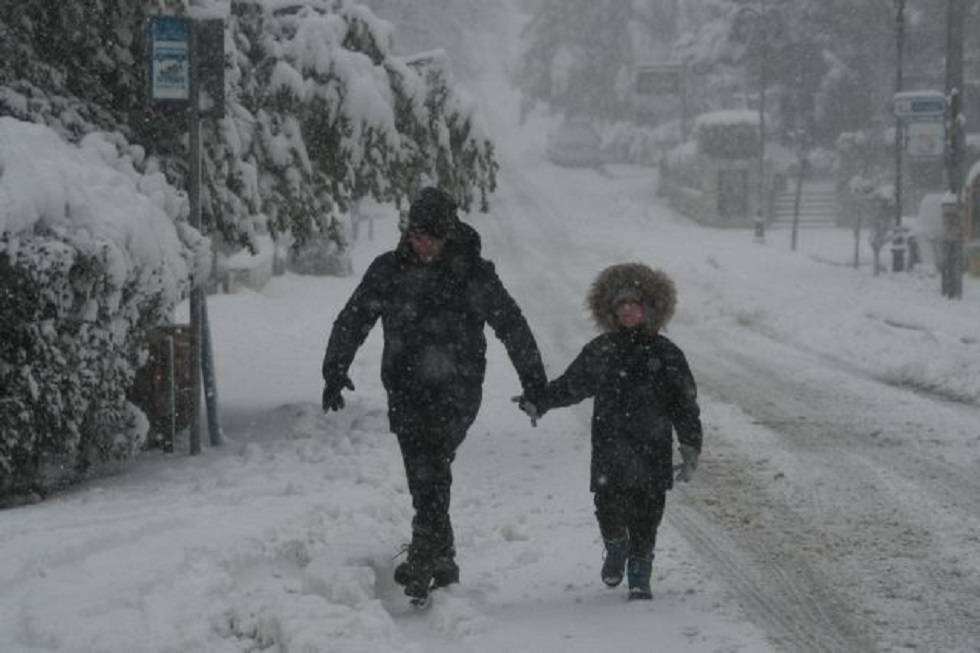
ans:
(209, 66)
(170, 62)
(925, 138)
(919, 104)
(186, 65)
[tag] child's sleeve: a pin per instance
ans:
(577, 383)
(682, 406)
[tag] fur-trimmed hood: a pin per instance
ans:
(654, 286)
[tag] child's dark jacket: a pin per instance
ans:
(642, 386)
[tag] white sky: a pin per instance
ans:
(286, 536)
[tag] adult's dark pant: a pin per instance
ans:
(428, 454)
(633, 513)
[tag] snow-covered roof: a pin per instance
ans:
(728, 117)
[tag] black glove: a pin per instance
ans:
(528, 408)
(689, 462)
(332, 398)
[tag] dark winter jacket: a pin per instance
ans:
(642, 386)
(433, 317)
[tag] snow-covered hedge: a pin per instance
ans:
(91, 257)
(730, 134)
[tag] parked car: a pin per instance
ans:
(574, 143)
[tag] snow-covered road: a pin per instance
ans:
(855, 501)
(839, 505)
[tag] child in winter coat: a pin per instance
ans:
(643, 392)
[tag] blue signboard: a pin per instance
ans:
(170, 70)
(911, 104)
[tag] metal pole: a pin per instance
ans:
(210, 382)
(171, 397)
(898, 242)
(194, 193)
(952, 278)
(798, 196)
(760, 215)
(684, 110)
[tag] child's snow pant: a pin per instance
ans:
(633, 513)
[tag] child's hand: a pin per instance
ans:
(528, 408)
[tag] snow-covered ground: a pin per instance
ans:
(287, 535)
(834, 510)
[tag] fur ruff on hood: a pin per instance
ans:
(657, 289)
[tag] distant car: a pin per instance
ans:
(574, 143)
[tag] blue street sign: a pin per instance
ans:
(928, 106)
(170, 70)
(909, 104)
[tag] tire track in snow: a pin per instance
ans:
(875, 507)
(780, 593)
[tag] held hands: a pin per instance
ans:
(689, 462)
(332, 397)
(528, 409)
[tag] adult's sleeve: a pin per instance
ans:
(511, 328)
(354, 322)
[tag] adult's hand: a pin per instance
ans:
(689, 463)
(333, 399)
(528, 408)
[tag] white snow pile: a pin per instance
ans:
(92, 197)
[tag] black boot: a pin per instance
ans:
(416, 573)
(638, 573)
(445, 571)
(615, 563)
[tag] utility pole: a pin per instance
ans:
(898, 240)
(760, 35)
(760, 214)
(763, 29)
(952, 276)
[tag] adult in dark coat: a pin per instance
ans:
(643, 393)
(434, 294)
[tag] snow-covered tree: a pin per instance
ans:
(736, 49)
(319, 114)
(322, 113)
(320, 110)
(92, 256)
(579, 54)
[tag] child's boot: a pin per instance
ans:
(615, 564)
(638, 572)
